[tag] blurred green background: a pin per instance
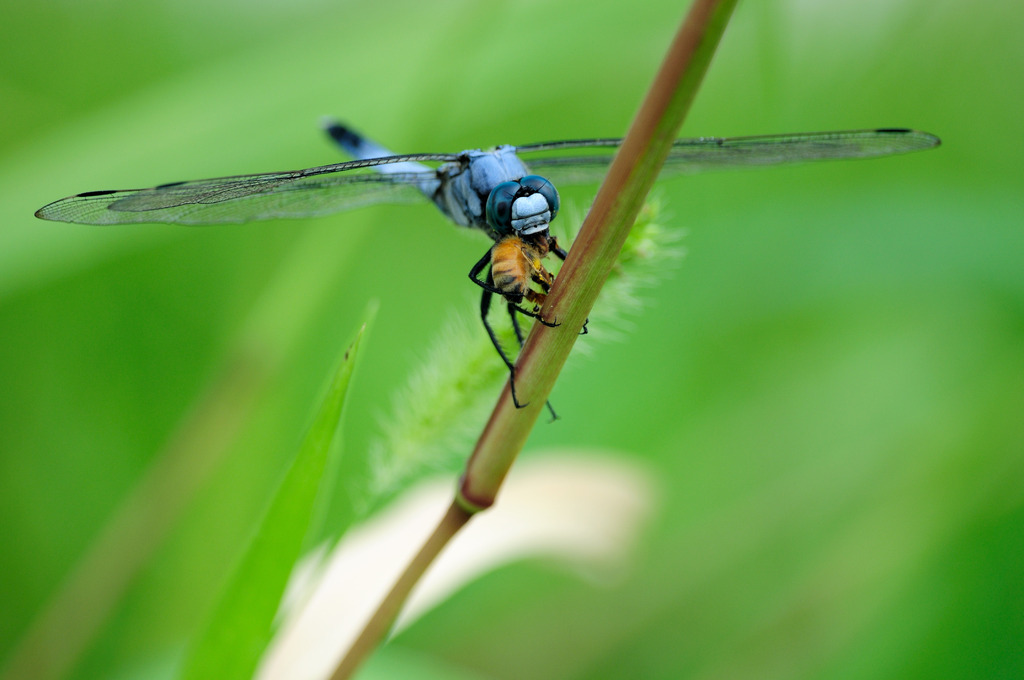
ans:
(830, 385)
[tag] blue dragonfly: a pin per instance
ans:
(508, 192)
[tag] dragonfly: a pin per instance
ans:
(508, 192)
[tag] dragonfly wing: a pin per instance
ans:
(710, 153)
(572, 170)
(699, 155)
(587, 165)
(243, 198)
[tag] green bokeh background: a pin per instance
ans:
(830, 385)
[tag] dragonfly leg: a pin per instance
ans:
(474, 275)
(537, 299)
(557, 249)
(485, 306)
(515, 324)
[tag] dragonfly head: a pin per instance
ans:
(522, 207)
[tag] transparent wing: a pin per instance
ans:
(709, 153)
(242, 198)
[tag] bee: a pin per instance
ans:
(516, 262)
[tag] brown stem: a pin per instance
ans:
(379, 624)
(596, 248)
(601, 237)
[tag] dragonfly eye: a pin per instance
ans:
(538, 184)
(499, 206)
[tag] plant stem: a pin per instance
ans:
(579, 281)
(596, 248)
(379, 624)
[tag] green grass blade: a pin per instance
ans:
(242, 621)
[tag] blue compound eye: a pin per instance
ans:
(539, 185)
(499, 206)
